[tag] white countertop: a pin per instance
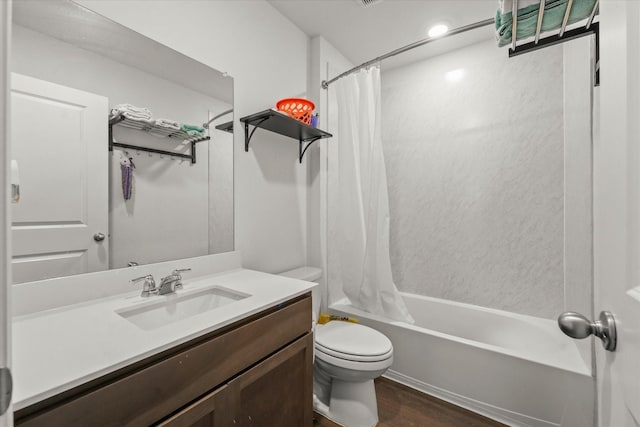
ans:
(58, 349)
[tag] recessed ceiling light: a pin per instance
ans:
(438, 30)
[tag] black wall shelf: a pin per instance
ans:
(176, 135)
(226, 127)
(284, 125)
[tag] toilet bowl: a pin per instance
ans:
(347, 358)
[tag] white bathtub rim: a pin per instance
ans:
(501, 415)
(580, 367)
(504, 313)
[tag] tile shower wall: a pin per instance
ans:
(474, 150)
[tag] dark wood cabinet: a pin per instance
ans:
(209, 411)
(277, 392)
(255, 372)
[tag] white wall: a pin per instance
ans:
(171, 197)
(267, 56)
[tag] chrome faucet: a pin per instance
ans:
(149, 286)
(172, 282)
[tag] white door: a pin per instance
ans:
(6, 418)
(617, 212)
(59, 139)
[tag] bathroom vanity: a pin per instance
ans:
(246, 363)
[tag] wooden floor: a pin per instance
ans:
(401, 406)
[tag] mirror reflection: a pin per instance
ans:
(115, 149)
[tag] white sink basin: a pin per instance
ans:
(174, 307)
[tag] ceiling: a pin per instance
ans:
(363, 33)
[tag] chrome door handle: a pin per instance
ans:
(99, 237)
(577, 326)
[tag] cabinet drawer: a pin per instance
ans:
(152, 392)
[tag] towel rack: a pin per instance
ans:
(562, 36)
(148, 127)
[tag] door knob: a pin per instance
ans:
(576, 325)
(99, 237)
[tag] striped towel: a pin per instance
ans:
(554, 11)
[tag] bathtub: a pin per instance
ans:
(519, 370)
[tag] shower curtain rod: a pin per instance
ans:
(326, 83)
(206, 125)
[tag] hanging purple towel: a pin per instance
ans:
(126, 167)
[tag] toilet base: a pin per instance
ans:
(352, 404)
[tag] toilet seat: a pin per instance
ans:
(355, 367)
(353, 357)
(353, 342)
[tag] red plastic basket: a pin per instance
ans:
(297, 108)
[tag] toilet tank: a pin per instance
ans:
(310, 274)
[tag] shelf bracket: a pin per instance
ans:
(112, 122)
(301, 151)
(247, 135)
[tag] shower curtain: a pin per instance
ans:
(363, 203)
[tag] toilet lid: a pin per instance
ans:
(350, 339)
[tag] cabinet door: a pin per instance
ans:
(277, 391)
(213, 410)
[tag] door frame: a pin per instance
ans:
(5, 220)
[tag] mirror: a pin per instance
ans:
(84, 208)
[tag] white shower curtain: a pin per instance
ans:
(363, 203)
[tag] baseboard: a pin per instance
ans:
(501, 415)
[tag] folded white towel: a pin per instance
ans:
(132, 111)
(132, 108)
(169, 124)
(115, 113)
(136, 122)
(133, 116)
(507, 5)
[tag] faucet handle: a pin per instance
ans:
(177, 272)
(149, 286)
(137, 279)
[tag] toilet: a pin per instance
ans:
(347, 358)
